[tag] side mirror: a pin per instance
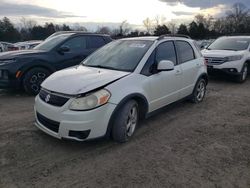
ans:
(165, 65)
(63, 49)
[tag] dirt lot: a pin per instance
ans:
(186, 145)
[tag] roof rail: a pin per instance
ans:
(238, 34)
(173, 35)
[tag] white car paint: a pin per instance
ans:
(159, 90)
(87, 78)
(238, 64)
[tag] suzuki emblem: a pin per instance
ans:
(47, 98)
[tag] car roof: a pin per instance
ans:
(154, 38)
(77, 32)
(236, 36)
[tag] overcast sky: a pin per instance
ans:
(112, 11)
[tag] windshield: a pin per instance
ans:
(235, 44)
(52, 42)
(122, 55)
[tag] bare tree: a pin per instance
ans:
(124, 28)
(159, 20)
(172, 27)
(104, 30)
(148, 24)
(207, 21)
(27, 24)
(238, 15)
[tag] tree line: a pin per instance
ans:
(236, 20)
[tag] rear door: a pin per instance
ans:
(189, 66)
(95, 42)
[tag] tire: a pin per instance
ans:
(199, 92)
(125, 122)
(33, 79)
(243, 74)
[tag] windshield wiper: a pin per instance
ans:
(100, 66)
(230, 49)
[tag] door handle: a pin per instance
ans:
(178, 72)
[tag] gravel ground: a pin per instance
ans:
(186, 145)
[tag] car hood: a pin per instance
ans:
(19, 53)
(220, 53)
(80, 79)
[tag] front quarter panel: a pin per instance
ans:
(131, 84)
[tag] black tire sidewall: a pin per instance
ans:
(194, 97)
(240, 77)
(119, 129)
(27, 77)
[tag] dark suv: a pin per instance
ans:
(29, 68)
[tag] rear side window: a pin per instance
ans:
(76, 43)
(185, 51)
(166, 51)
(95, 42)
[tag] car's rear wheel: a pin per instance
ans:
(33, 79)
(243, 75)
(125, 122)
(199, 91)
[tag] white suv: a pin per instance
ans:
(230, 55)
(116, 86)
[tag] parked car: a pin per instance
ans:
(6, 46)
(1, 47)
(230, 55)
(117, 85)
(28, 44)
(28, 68)
(204, 43)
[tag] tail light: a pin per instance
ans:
(205, 62)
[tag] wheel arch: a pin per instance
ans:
(204, 76)
(26, 69)
(248, 64)
(143, 109)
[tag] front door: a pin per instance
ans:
(165, 85)
(77, 52)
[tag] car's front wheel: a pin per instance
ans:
(126, 121)
(199, 91)
(33, 79)
(243, 75)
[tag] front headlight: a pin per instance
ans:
(7, 61)
(90, 101)
(234, 58)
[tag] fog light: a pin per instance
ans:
(231, 70)
(79, 134)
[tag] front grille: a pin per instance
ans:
(52, 99)
(48, 123)
(215, 60)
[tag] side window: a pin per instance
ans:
(76, 43)
(166, 51)
(95, 42)
(185, 51)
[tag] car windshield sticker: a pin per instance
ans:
(137, 45)
(241, 41)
